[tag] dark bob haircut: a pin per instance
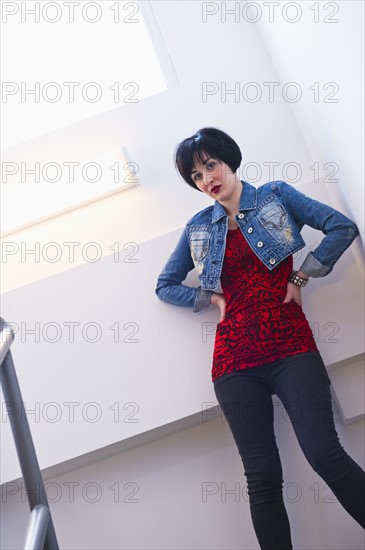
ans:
(211, 141)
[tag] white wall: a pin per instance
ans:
(151, 216)
(324, 53)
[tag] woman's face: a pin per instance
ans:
(214, 178)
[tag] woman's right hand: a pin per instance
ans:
(219, 300)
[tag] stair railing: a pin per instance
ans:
(40, 532)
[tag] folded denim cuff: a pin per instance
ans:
(202, 299)
(313, 267)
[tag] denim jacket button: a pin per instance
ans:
(260, 244)
(272, 261)
(241, 216)
(249, 230)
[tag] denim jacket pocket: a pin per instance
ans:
(199, 245)
(274, 218)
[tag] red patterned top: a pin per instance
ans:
(258, 328)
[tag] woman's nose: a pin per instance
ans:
(207, 178)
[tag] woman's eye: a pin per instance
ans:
(211, 165)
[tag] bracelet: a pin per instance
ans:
(294, 278)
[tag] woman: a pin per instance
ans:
(263, 344)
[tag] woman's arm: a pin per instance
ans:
(339, 230)
(169, 286)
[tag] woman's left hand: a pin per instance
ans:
(293, 292)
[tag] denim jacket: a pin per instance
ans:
(271, 218)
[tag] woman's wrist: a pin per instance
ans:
(302, 275)
(212, 298)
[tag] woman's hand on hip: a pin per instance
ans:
(293, 292)
(219, 300)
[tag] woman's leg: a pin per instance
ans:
(303, 386)
(247, 405)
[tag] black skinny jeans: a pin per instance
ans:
(302, 384)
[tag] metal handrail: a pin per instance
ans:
(40, 532)
(37, 528)
(7, 338)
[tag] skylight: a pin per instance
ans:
(64, 63)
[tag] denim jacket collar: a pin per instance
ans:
(248, 201)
